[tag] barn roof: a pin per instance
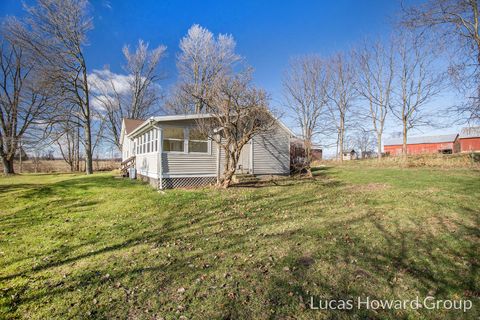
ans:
(472, 132)
(420, 140)
(132, 124)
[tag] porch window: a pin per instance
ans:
(197, 142)
(173, 139)
(148, 142)
(155, 141)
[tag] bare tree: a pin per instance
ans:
(55, 31)
(132, 96)
(202, 60)
(141, 67)
(207, 83)
(342, 95)
(239, 111)
(364, 140)
(67, 139)
(456, 23)
(376, 71)
(305, 85)
(23, 99)
(417, 82)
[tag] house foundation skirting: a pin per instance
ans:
(187, 182)
(152, 181)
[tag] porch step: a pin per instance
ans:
(244, 178)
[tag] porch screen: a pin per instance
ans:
(197, 141)
(173, 139)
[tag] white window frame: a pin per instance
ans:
(209, 144)
(147, 142)
(185, 140)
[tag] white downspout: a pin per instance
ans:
(159, 157)
(217, 132)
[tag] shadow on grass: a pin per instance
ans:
(337, 259)
(319, 174)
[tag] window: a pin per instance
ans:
(147, 142)
(155, 142)
(173, 139)
(198, 142)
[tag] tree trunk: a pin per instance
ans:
(88, 148)
(340, 145)
(308, 157)
(77, 150)
(379, 146)
(404, 145)
(231, 160)
(8, 166)
(228, 175)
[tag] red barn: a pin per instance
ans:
(470, 139)
(448, 143)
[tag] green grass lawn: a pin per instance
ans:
(75, 246)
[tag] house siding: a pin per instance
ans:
(268, 153)
(127, 148)
(271, 153)
(147, 164)
(190, 163)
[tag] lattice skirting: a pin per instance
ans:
(187, 182)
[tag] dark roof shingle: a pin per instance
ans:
(132, 124)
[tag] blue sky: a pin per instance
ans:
(268, 33)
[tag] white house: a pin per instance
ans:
(170, 152)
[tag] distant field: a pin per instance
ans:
(75, 246)
(49, 166)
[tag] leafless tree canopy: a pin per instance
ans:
(239, 112)
(142, 68)
(142, 95)
(342, 95)
(363, 141)
(66, 135)
(24, 98)
(203, 59)
(305, 92)
(55, 31)
(416, 84)
(456, 23)
(376, 72)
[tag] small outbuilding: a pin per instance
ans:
(350, 155)
(297, 152)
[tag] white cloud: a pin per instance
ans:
(104, 83)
